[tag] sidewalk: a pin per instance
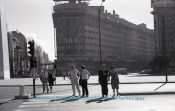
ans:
(61, 100)
(124, 79)
(133, 97)
(126, 87)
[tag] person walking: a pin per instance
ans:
(73, 75)
(84, 78)
(44, 79)
(64, 74)
(114, 80)
(103, 80)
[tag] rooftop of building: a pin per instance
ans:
(162, 3)
(111, 16)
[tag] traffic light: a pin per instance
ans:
(33, 62)
(31, 48)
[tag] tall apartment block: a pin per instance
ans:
(77, 36)
(164, 24)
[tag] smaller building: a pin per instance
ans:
(17, 53)
(19, 59)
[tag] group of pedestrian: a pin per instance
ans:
(47, 77)
(104, 78)
(78, 78)
(81, 78)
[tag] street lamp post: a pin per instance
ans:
(99, 24)
(164, 50)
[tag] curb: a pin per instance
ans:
(147, 93)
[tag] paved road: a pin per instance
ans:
(132, 77)
(150, 102)
(61, 100)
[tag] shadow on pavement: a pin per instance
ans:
(159, 87)
(100, 100)
(10, 105)
(71, 99)
(3, 103)
(11, 100)
(106, 99)
(60, 99)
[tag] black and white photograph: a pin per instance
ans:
(87, 55)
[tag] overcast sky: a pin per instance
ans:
(34, 17)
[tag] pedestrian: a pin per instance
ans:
(65, 72)
(85, 74)
(73, 75)
(114, 80)
(44, 79)
(64, 75)
(51, 79)
(103, 80)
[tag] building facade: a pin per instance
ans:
(19, 59)
(77, 37)
(17, 53)
(164, 24)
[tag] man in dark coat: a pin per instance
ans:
(103, 80)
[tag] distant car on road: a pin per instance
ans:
(122, 71)
(145, 72)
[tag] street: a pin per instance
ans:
(150, 103)
(154, 97)
(61, 100)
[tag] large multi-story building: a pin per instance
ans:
(164, 24)
(77, 36)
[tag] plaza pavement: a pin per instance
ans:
(155, 96)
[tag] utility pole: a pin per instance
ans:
(99, 24)
(164, 50)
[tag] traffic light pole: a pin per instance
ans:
(34, 87)
(32, 63)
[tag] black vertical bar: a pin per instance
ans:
(33, 87)
(99, 19)
(17, 62)
(165, 57)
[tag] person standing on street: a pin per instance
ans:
(103, 80)
(84, 78)
(114, 80)
(44, 79)
(73, 75)
(51, 78)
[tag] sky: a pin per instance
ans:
(34, 17)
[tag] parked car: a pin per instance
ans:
(145, 72)
(122, 71)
